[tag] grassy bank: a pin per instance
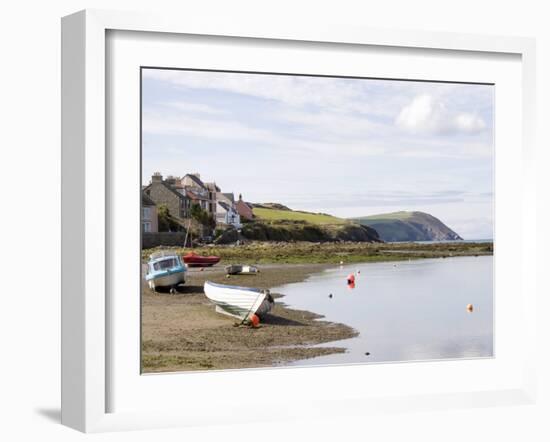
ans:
(292, 215)
(333, 253)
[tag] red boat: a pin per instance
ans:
(194, 260)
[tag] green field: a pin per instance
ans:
(291, 215)
(399, 216)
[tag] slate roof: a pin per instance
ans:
(229, 196)
(226, 207)
(194, 196)
(146, 200)
(170, 188)
(196, 180)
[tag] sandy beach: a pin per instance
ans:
(182, 332)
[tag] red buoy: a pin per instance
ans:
(351, 278)
(254, 320)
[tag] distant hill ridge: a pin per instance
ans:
(408, 226)
(275, 206)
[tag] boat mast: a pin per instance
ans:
(186, 233)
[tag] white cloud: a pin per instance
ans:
(427, 115)
(469, 123)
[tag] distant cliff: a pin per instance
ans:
(408, 226)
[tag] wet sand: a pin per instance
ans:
(183, 332)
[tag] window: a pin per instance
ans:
(166, 264)
(146, 227)
(146, 213)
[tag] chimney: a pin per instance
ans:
(170, 180)
(156, 178)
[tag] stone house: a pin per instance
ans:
(149, 215)
(164, 192)
(243, 209)
(192, 183)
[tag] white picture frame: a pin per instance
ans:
(85, 198)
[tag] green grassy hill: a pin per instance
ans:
(408, 226)
(291, 215)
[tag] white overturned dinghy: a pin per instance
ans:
(238, 269)
(239, 302)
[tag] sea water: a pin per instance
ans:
(404, 311)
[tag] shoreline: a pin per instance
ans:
(182, 332)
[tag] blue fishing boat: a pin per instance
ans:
(165, 269)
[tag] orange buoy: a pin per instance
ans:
(254, 320)
(351, 278)
(470, 308)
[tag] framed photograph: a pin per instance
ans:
(251, 211)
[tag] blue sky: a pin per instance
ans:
(349, 147)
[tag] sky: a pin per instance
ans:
(348, 147)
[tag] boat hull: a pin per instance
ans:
(238, 302)
(167, 280)
(200, 261)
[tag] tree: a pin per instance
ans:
(202, 216)
(163, 218)
(166, 222)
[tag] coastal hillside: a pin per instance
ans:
(408, 226)
(275, 212)
(274, 222)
